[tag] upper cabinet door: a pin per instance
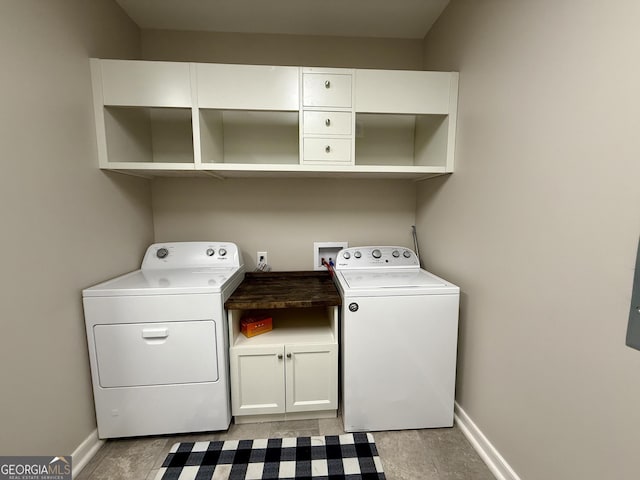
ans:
(148, 84)
(397, 91)
(247, 87)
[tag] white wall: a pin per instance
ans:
(284, 216)
(269, 49)
(65, 224)
(539, 226)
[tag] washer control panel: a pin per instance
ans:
(376, 257)
(191, 254)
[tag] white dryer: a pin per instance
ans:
(157, 341)
(398, 342)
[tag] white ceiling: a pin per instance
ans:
(350, 18)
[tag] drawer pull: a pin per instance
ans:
(327, 149)
(327, 122)
(155, 333)
(327, 84)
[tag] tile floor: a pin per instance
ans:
(433, 454)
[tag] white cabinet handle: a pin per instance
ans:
(288, 355)
(279, 356)
(155, 332)
(327, 84)
(327, 122)
(327, 149)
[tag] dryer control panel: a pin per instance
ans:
(376, 257)
(191, 254)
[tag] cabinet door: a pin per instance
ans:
(257, 380)
(139, 354)
(146, 84)
(311, 377)
(396, 91)
(247, 87)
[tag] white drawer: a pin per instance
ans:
(139, 354)
(327, 150)
(326, 90)
(327, 123)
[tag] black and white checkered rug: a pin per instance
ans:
(349, 457)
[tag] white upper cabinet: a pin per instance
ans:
(145, 84)
(177, 118)
(247, 87)
(406, 119)
(397, 91)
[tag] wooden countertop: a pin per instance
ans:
(261, 290)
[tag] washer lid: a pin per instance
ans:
(392, 281)
(164, 282)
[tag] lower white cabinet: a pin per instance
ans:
(289, 372)
(289, 378)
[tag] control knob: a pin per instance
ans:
(357, 254)
(406, 254)
(222, 252)
(376, 253)
(162, 253)
(346, 255)
(210, 252)
(395, 254)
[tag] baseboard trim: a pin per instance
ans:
(85, 452)
(489, 454)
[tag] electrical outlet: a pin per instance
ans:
(262, 257)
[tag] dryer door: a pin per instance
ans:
(139, 354)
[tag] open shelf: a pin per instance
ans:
(290, 325)
(249, 137)
(149, 135)
(401, 140)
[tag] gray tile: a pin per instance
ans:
(294, 428)
(430, 454)
(404, 456)
(191, 437)
(130, 459)
(95, 461)
(453, 455)
(246, 431)
(152, 475)
(331, 426)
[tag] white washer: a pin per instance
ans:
(399, 340)
(158, 343)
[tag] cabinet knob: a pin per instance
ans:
(327, 149)
(327, 84)
(327, 122)
(279, 356)
(288, 355)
